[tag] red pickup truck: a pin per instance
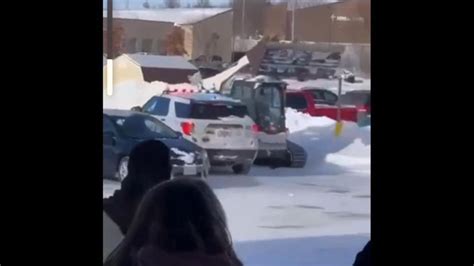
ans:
(304, 101)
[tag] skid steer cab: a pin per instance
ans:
(265, 100)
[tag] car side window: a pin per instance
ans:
(318, 97)
(183, 110)
(107, 125)
(330, 97)
(296, 101)
(157, 106)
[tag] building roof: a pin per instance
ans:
(172, 15)
(300, 4)
(162, 61)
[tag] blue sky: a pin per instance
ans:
(137, 4)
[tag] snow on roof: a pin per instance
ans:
(173, 15)
(162, 61)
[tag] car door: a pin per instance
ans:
(109, 149)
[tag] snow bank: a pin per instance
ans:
(326, 152)
(296, 121)
(136, 93)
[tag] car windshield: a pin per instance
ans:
(143, 127)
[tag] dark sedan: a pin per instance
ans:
(123, 130)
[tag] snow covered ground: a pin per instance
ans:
(318, 215)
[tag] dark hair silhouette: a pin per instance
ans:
(363, 257)
(149, 164)
(182, 215)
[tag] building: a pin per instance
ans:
(327, 26)
(248, 17)
(207, 31)
(343, 21)
(149, 68)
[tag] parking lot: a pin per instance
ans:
(325, 205)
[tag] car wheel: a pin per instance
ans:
(122, 170)
(241, 169)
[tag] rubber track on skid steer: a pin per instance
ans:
(298, 155)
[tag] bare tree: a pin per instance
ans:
(172, 3)
(118, 38)
(175, 42)
(203, 3)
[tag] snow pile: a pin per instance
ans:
(184, 156)
(326, 152)
(296, 121)
(136, 93)
(354, 155)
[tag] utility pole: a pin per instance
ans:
(293, 21)
(110, 48)
(243, 19)
(333, 17)
(338, 129)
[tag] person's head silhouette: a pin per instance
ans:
(181, 216)
(149, 164)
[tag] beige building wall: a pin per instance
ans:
(124, 70)
(138, 34)
(252, 20)
(350, 23)
(275, 21)
(346, 26)
(212, 36)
